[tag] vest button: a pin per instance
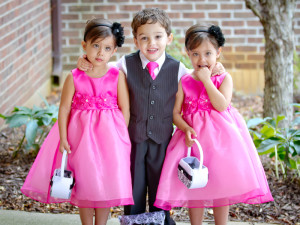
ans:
(153, 87)
(149, 132)
(151, 117)
(152, 102)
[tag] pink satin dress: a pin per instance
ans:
(100, 145)
(236, 174)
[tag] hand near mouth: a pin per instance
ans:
(202, 73)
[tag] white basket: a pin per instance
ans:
(62, 181)
(191, 172)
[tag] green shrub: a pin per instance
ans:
(37, 122)
(281, 143)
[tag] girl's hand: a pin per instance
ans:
(203, 73)
(83, 64)
(64, 145)
(189, 135)
(218, 69)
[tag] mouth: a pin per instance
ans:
(152, 50)
(202, 66)
(99, 60)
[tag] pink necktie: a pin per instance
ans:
(151, 67)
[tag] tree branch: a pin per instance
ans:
(256, 7)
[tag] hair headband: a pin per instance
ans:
(116, 29)
(214, 31)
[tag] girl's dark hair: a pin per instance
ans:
(197, 33)
(151, 16)
(102, 28)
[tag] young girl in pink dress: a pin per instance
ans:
(92, 127)
(202, 110)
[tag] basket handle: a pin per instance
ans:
(200, 150)
(63, 163)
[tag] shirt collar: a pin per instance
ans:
(160, 60)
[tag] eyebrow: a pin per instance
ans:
(155, 33)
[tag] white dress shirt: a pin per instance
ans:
(121, 63)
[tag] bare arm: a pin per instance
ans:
(123, 97)
(64, 111)
(179, 121)
(219, 98)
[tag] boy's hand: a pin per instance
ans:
(218, 69)
(64, 145)
(83, 64)
(190, 134)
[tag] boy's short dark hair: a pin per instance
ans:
(151, 15)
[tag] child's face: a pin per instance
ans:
(100, 51)
(205, 55)
(151, 40)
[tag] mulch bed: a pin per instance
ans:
(286, 192)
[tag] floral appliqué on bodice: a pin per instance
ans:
(192, 104)
(86, 102)
(195, 96)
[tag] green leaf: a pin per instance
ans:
(296, 145)
(17, 120)
(279, 118)
(30, 132)
(293, 164)
(2, 116)
(268, 144)
(296, 121)
(46, 119)
(264, 152)
(44, 100)
(23, 109)
(254, 122)
(296, 105)
(268, 131)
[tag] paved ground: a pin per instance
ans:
(11, 217)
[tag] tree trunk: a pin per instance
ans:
(277, 20)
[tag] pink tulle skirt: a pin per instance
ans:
(100, 161)
(236, 174)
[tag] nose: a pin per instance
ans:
(100, 52)
(151, 41)
(201, 59)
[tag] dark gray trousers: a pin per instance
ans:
(146, 164)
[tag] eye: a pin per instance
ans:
(144, 38)
(158, 37)
(95, 45)
(195, 54)
(208, 53)
(108, 49)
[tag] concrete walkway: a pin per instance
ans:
(12, 217)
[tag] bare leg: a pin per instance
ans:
(101, 216)
(221, 215)
(86, 216)
(196, 215)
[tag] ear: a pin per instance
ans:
(187, 52)
(114, 51)
(136, 42)
(219, 52)
(83, 44)
(170, 39)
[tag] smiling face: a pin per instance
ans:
(151, 40)
(204, 55)
(100, 51)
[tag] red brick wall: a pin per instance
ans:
(25, 50)
(244, 34)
